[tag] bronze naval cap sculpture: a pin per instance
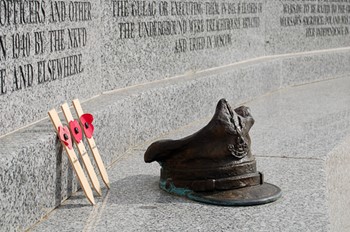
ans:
(214, 165)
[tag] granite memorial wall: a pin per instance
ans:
(296, 26)
(49, 53)
(56, 50)
(146, 68)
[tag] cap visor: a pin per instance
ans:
(253, 195)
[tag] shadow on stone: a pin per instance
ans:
(60, 182)
(79, 196)
(70, 177)
(58, 191)
(140, 189)
(137, 189)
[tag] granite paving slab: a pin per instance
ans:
(135, 203)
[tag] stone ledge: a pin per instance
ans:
(290, 69)
(307, 171)
(35, 173)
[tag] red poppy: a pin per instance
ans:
(86, 121)
(76, 131)
(64, 135)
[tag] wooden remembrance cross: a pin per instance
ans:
(64, 134)
(75, 129)
(92, 145)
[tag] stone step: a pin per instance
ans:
(34, 172)
(301, 140)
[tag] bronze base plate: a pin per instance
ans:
(253, 195)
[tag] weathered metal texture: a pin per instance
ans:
(214, 165)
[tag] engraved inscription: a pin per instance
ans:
(322, 18)
(195, 25)
(44, 47)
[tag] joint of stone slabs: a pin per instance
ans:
(199, 74)
(330, 78)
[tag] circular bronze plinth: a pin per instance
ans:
(253, 195)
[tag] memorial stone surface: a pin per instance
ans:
(168, 38)
(140, 65)
(48, 54)
(296, 26)
(57, 50)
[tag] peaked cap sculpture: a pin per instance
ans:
(215, 164)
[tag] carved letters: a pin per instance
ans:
(195, 25)
(321, 18)
(41, 48)
(44, 40)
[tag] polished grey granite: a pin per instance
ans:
(139, 89)
(37, 172)
(297, 26)
(300, 139)
(66, 67)
(114, 59)
(136, 203)
(136, 50)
